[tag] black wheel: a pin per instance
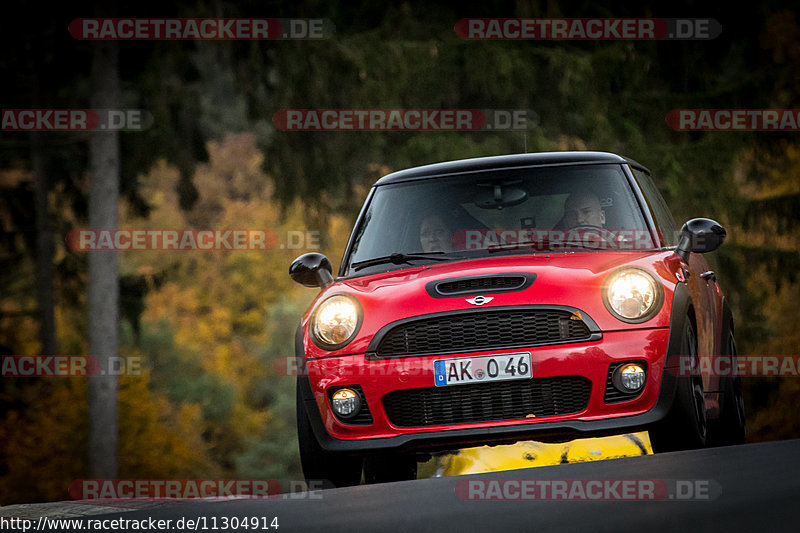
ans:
(386, 468)
(328, 468)
(685, 426)
(729, 428)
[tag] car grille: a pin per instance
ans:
(482, 330)
(487, 402)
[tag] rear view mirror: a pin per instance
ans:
(499, 196)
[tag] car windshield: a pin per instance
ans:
(547, 209)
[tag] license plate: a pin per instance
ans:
(481, 369)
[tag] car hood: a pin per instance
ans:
(573, 279)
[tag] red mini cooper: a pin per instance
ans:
(543, 296)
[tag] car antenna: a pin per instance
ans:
(525, 142)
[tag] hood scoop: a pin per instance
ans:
(473, 285)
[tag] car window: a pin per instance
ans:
(477, 213)
(667, 227)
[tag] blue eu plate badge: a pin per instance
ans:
(439, 370)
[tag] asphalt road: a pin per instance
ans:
(754, 487)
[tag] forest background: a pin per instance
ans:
(212, 328)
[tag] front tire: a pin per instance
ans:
(320, 466)
(685, 427)
(387, 468)
(729, 428)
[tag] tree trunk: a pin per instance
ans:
(103, 268)
(44, 249)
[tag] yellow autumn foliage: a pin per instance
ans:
(46, 440)
(207, 394)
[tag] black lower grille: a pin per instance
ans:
(483, 330)
(487, 402)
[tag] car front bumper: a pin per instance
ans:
(589, 360)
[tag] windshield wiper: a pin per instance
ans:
(399, 259)
(510, 246)
(569, 242)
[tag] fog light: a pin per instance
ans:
(629, 377)
(346, 403)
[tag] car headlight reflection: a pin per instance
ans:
(632, 294)
(336, 321)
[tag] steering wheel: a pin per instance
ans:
(602, 233)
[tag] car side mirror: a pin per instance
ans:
(700, 235)
(312, 270)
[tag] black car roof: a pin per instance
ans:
(505, 162)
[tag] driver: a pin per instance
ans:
(583, 209)
(434, 235)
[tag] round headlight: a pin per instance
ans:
(632, 294)
(335, 322)
(629, 377)
(346, 402)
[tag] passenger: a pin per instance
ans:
(434, 235)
